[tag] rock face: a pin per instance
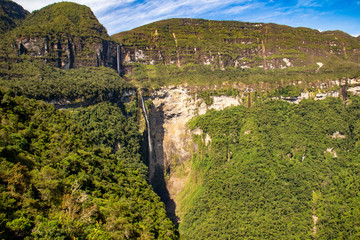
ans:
(65, 35)
(66, 52)
(172, 109)
(230, 44)
(172, 141)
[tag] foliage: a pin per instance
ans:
(43, 82)
(11, 14)
(155, 76)
(109, 128)
(270, 169)
(65, 18)
(57, 182)
(229, 50)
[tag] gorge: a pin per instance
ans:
(179, 129)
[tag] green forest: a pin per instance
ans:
(74, 146)
(272, 168)
(43, 82)
(61, 177)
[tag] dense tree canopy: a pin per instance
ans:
(57, 182)
(272, 169)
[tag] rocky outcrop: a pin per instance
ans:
(172, 141)
(172, 109)
(231, 44)
(65, 35)
(67, 52)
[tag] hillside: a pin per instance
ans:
(60, 180)
(235, 49)
(11, 15)
(65, 35)
(275, 171)
(182, 128)
(234, 44)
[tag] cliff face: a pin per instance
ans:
(230, 44)
(67, 52)
(65, 35)
(172, 141)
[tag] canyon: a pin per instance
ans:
(241, 129)
(170, 140)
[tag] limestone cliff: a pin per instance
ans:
(65, 35)
(172, 141)
(69, 52)
(231, 44)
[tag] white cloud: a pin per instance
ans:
(237, 9)
(121, 15)
(95, 5)
(308, 3)
(127, 18)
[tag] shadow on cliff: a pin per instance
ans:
(158, 181)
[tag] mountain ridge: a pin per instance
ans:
(11, 14)
(66, 35)
(231, 156)
(225, 44)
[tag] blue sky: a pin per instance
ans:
(122, 15)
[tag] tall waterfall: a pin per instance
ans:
(151, 162)
(118, 58)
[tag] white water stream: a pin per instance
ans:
(118, 58)
(151, 162)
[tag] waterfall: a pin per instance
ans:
(118, 58)
(151, 162)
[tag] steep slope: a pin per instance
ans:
(231, 44)
(66, 35)
(275, 171)
(60, 180)
(11, 14)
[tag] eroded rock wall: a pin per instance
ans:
(172, 140)
(67, 52)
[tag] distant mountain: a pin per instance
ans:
(66, 35)
(232, 44)
(11, 14)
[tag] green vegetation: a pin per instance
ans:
(155, 76)
(233, 46)
(65, 19)
(61, 181)
(109, 128)
(272, 168)
(43, 82)
(11, 14)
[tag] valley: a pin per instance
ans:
(179, 129)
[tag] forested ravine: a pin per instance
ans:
(169, 112)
